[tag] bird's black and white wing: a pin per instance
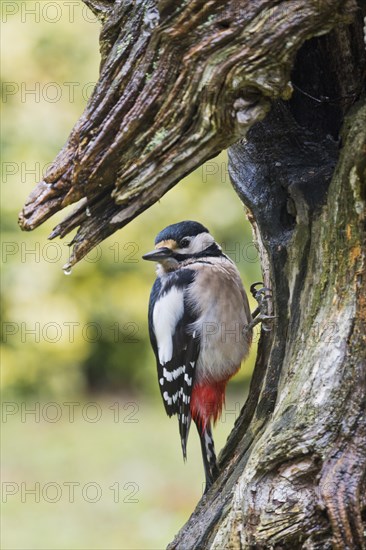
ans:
(176, 347)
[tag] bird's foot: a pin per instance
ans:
(261, 318)
(262, 313)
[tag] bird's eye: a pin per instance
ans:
(184, 243)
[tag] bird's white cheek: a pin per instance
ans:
(168, 311)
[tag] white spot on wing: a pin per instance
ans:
(188, 379)
(167, 375)
(167, 398)
(168, 311)
(177, 372)
(173, 375)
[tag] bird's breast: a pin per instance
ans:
(223, 314)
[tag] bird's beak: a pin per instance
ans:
(158, 255)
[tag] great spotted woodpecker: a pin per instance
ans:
(200, 329)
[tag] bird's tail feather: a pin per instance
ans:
(208, 454)
(184, 432)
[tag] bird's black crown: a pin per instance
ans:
(182, 229)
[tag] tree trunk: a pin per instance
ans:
(293, 469)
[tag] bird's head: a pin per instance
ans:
(181, 241)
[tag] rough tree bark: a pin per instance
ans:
(293, 470)
(294, 466)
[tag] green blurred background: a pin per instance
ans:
(89, 459)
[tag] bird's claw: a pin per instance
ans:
(261, 314)
(261, 318)
(253, 290)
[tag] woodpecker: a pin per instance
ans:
(200, 329)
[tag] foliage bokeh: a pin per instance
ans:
(87, 331)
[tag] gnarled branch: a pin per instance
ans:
(179, 82)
